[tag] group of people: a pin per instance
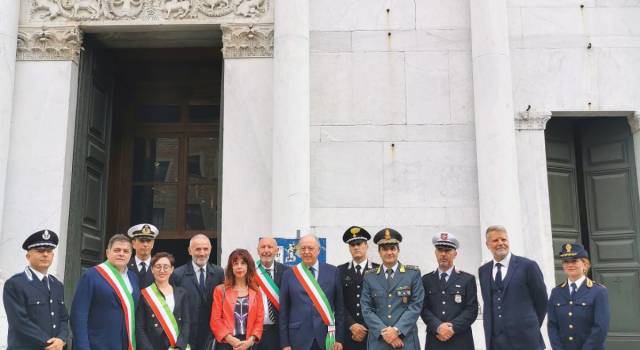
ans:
(136, 300)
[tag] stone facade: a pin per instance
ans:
(406, 103)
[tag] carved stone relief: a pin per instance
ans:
(49, 44)
(532, 120)
(241, 41)
(145, 10)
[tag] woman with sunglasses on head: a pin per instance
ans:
(237, 312)
(162, 320)
(578, 308)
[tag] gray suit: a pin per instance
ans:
(396, 304)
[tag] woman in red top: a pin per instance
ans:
(237, 312)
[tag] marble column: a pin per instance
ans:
(9, 10)
(291, 135)
(247, 136)
(534, 190)
(38, 182)
(499, 195)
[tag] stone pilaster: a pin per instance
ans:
(532, 120)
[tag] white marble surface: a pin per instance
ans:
(347, 174)
(246, 153)
(428, 88)
(442, 14)
(9, 10)
(340, 15)
(498, 186)
(291, 135)
(40, 158)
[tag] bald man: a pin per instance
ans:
(269, 271)
(199, 277)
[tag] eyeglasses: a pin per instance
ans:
(162, 267)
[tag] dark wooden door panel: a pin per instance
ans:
(87, 212)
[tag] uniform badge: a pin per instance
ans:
(46, 234)
(457, 298)
(404, 293)
(355, 231)
(146, 230)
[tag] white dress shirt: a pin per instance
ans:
(265, 300)
(197, 268)
(578, 282)
(147, 263)
(505, 266)
(448, 272)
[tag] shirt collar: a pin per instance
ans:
(578, 282)
(147, 262)
(39, 275)
(505, 262)
(448, 272)
(394, 268)
(196, 268)
(363, 264)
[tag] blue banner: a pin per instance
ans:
(288, 255)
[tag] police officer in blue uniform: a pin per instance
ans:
(450, 299)
(34, 299)
(578, 308)
(351, 276)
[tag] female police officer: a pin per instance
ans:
(578, 308)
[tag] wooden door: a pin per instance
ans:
(594, 201)
(88, 202)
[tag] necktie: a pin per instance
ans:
(574, 289)
(272, 309)
(201, 279)
(143, 267)
(358, 270)
(45, 282)
(313, 272)
(499, 276)
(389, 274)
(443, 280)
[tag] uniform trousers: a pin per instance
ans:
(270, 339)
(500, 342)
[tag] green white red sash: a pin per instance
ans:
(268, 286)
(160, 308)
(113, 277)
(320, 301)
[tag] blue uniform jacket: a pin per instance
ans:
(524, 306)
(579, 323)
(300, 323)
(97, 320)
(34, 313)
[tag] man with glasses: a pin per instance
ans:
(142, 238)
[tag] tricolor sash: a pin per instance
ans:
(159, 306)
(320, 301)
(268, 285)
(113, 277)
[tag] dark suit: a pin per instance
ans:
(300, 323)
(513, 315)
(35, 314)
(270, 333)
(97, 320)
(456, 302)
(149, 332)
(580, 322)
(351, 283)
(200, 300)
(144, 279)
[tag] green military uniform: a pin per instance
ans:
(394, 301)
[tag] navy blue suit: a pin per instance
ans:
(97, 320)
(581, 322)
(199, 300)
(300, 323)
(515, 313)
(35, 314)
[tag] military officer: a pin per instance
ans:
(392, 297)
(142, 239)
(34, 299)
(450, 299)
(351, 275)
(578, 308)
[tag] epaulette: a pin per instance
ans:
(412, 267)
(563, 284)
(590, 283)
(370, 271)
(431, 273)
